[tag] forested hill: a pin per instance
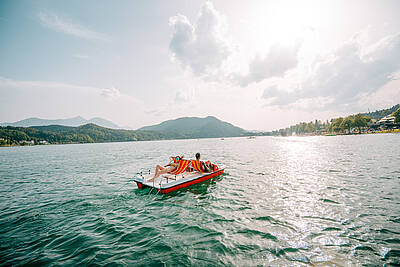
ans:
(382, 113)
(57, 134)
(92, 133)
(193, 127)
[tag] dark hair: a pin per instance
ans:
(197, 155)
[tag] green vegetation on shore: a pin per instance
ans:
(57, 134)
(350, 124)
(184, 128)
(396, 115)
(335, 125)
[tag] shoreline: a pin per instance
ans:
(395, 131)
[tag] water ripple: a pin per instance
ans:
(282, 201)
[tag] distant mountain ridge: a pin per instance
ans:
(59, 134)
(194, 127)
(74, 122)
(183, 128)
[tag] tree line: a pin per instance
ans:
(303, 128)
(335, 125)
(350, 122)
(92, 133)
(338, 125)
(57, 134)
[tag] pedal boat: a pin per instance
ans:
(170, 182)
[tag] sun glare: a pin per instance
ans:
(285, 22)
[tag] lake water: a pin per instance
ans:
(282, 201)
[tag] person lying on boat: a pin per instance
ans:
(172, 166)
(176, 166)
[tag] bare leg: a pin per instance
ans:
(161, 170)
(156, 172)
(158, 168)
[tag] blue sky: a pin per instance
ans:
(257, 64)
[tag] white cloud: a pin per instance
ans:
(182, 97)
(317, 103)
(205, 49)
(280, 59)
(388, 95)
(111, 93)
(183, 100)
(341, 78)
(63, 25)
(203, 46)
(278, 97)
(32, 85)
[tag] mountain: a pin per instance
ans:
(182, 128)
(102, 122)
(193, 127)
(76, 121)
(58, 134)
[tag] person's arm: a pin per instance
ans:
(170, 163)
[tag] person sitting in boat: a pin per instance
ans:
(172, 166)
(199, 165)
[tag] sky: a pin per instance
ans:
(260, 65)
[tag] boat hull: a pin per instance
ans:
(166, 188)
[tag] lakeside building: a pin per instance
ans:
(25, 142)
(386, 122)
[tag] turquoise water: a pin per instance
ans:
(282, 201)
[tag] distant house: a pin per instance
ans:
(386, 122)
(322, 130)
(25, 142)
